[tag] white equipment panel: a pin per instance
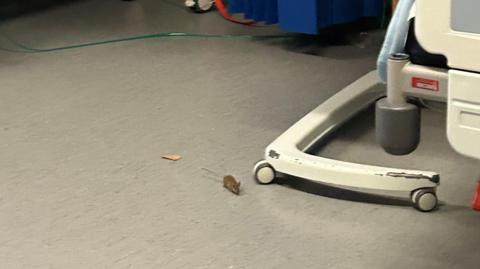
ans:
(434, 31)
(451, 28)
(463, 121)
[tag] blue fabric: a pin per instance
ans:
(271, 11)
(259, 10)
(299, 16)
(306, 16)
(236, 6)
(248, 9)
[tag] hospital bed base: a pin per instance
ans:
(288, 153)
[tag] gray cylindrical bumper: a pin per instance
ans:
(397, 128)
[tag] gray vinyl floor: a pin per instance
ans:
(82, 132)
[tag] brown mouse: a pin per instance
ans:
(231, 184)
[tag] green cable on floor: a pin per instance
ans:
(27, 49)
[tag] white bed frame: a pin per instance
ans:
(460, 89)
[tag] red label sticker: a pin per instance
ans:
(426, 84)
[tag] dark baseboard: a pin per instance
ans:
(13, 8)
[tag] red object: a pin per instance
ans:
(476, 199)
(223, 11)
(425, 84)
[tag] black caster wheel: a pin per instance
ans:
(425, 200)
(263, 173)
(200, 6)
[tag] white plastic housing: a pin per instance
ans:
(434, 31)
(463, 122)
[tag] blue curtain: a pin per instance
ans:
(306, 16)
